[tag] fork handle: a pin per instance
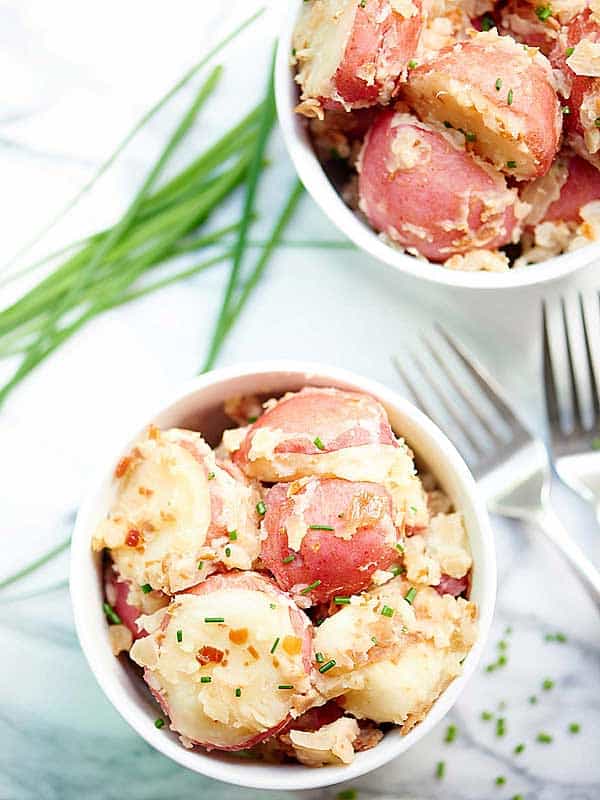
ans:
(589, 575)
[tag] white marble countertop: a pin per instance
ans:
(75, 77)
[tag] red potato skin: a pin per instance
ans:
(393, 40)
(321, 410)
(581, 187)
(128, 614)
(343, 566)
(453, 586)
(531, 31)
(425, 194)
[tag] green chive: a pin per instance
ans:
(533, 699)
(159, 723)
(508, 630)
(544, 738)
(447, 124)
(397, 570)
(412, 63)
(510, 97)
(597, 124)
(500, 780)
(227, 551)
(285, 686)
(238, 692)
(502, 645)
(214, 619)
(146, 588)
(500, 726)
(180, 636)
(200, 564)
(470, 137)
(451, 733)
(232, 536)
(205, 679)
(347, 794)
(363, 3)
(399, 547)
(511, 164)
(487, 23)
(410, 595)
(318, 443)
(440, 769)
(272, 605)
(327, 666)
(374, 640)
(252, 420)
(386, 611)
(261, 508)
(543, 12)
(547, 684)
(319, 658)
(487, 715)
(569, 51)
(274, 645)
(289, 559)
(341, 601)
(310, 587)
(566, 110)
(574, 727)
(519, 749)
(111, 614)
(498, 84)
(321, 528)
(211, 476)
(517, 797)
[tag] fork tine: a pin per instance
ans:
(485, 424)
(577, 423)
(592, 366)
(550, 392)
(484, 380)
(421, 402)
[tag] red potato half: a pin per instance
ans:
(422, 188)
(326, 537)
(559, 196)
(129, 602)
(352, 54)
(521, 20)
(501, 94)
(229, 661)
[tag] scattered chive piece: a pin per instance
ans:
(566, 110)
(386, 611)
(412, 63)
(544, 738)
(399, 547)
(470, 137)
(232, 536)
(319, 658)
(285, 686)
(451, 732)
(533, 699)
(511, 164)
(510, 97)
(498, 84)
(363, 3)
(569, 51)
(180, 636)
(252, 420)
(373, 639)
(214, 619)
(272, 605)
(319, 622)
(560, 637)
(321, 528)
(487, 23)
(574, 727)
(543, 12)
(289, 559)
(111, 614)
(547, 684)
(159, 723)
(500, 726)
(211, 476)
(228, 551)
(502, 645)
(519, 748)
(508, 631)
(146, 588)
(517, 797)
(347, 794)
(238, 692)
(341, 601)
(205, 679)
(490, 667)
(597, 122)
(327, 666)
(293, 51)
(487, 715)
(502, 660)
(397, 571)
(500, 780)
(410, 595)
(274, 646)
(318, 442)
(261, 508)
(447, 124)
(310, 587)
(440, 770)
(200, 564)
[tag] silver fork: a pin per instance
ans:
(571, 335)
(512, 469)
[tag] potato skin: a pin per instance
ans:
(581, 187)
(520, 121)
(435, 197)
(518, 18)
(344, 566)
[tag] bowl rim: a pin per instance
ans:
(326, 197)
(255, 774)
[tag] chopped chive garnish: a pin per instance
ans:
(274, 646)
(519, 749)
(285, 686)
(205, 679)
(502, 661)
(412, 63)
(319, 658)
(511, 164)
(502, 645)
(517, 797)
(272, 605)
(597, 122)
(159, 723)
(347, 794)
(566, 110)
(510, 97)
(498, 84)
(470, 137)
(252, 420)
(574, 727)
(569, 51)
(341, 601)
(508, 631)
(543, 12)
(547, 684)
(399, 547)
(214, 619)
(289, 559)
(111, 614)
(533, 699)
(414, 509)
(146, 588)
(180, 636)
(386, 611)
(321, 528)
(447, 124)
(440, 769)
(410, 595)
(318, 442)
(211, 476)
(200, 564)
(500, 780)
(327, 666)
(227, 551)
(319, 622)
(362, 3)
(487, 715)
(397, 571)
(487, 23)
(261, 508)
(451, 732)
(238, 692)
(500, 726)
(310, 587)
(543, 738)
(232, 536)
(374, 640)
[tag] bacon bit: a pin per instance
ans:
(239, 635)
(253, 652)
(292, 645)
(122, 466)
(133, 538)
(153, 432)
(145, 492)
(209, 655)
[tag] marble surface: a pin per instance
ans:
(75, 78)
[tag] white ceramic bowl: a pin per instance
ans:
(325, 195)
(199, 406)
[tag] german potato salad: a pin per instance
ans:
(296, 591)
(466, 132)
